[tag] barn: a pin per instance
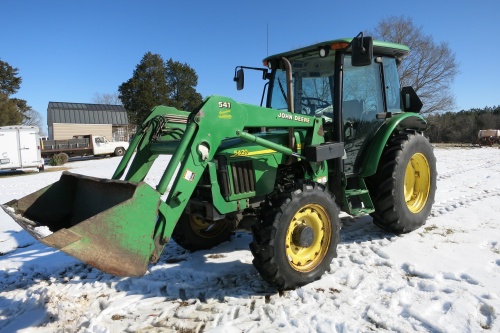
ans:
(65, 120)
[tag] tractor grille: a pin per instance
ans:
(243, 177)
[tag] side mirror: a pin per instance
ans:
(411, 101)
(362, 51)
(239, 78)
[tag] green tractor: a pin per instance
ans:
(337, 132)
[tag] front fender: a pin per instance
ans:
(368, 162)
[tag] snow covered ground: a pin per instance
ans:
(444, 277)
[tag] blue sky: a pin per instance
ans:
(67, 51)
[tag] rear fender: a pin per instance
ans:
(368, 162)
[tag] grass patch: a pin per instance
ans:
(430, 228)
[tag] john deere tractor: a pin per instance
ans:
(336, 132)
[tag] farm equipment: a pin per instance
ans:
(336, 133)
(488, 137)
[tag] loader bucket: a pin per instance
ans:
(109, 224)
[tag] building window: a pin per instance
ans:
(119, 134)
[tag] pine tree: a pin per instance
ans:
(9, 114)
(11, 109)
(155, 82)
(146, 89)
(9, 79)
(181, 82)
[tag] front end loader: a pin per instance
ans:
(329, 138)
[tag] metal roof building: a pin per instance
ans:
(80, 113)
(67, 119)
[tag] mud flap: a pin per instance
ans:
(112, 225)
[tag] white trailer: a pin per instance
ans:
(20, 148)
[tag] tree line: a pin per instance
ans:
(463, 126)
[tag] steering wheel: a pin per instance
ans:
(317, 102)
(310, 105)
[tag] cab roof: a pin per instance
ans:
(379, 48)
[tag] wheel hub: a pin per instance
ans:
(303, 236)
(308, 238)
(417, 183)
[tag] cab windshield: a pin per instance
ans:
(312, 87)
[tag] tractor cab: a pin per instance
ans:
(352, 84)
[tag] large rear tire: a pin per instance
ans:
(404, 186)
(297, 239)
(194, 233)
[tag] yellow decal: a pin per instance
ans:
(302, 119)
(226, 114)
(245, 152)
(240, 152)
(289, 116)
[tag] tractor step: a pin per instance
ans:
(359, 211)
(356, 198)
(355, 192)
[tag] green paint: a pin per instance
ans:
(370, 158)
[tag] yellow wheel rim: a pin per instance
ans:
(205, 228)
(417, 183)
(311, 222)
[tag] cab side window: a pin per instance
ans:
(362, 98)
(392, 86)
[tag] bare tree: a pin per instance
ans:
(33, 118)
(430, 68)
(111, 99)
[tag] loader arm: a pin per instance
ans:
(121, 225)
(203, 131)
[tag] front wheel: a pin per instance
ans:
(404, 187)
(195, 233)
(297, 240)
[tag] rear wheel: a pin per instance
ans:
(404, 187)
(194, 233)
(297, 239)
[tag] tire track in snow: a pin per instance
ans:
(449, 174)
(449, 205)
(446, 206)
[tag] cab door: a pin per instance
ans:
(361, 101)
